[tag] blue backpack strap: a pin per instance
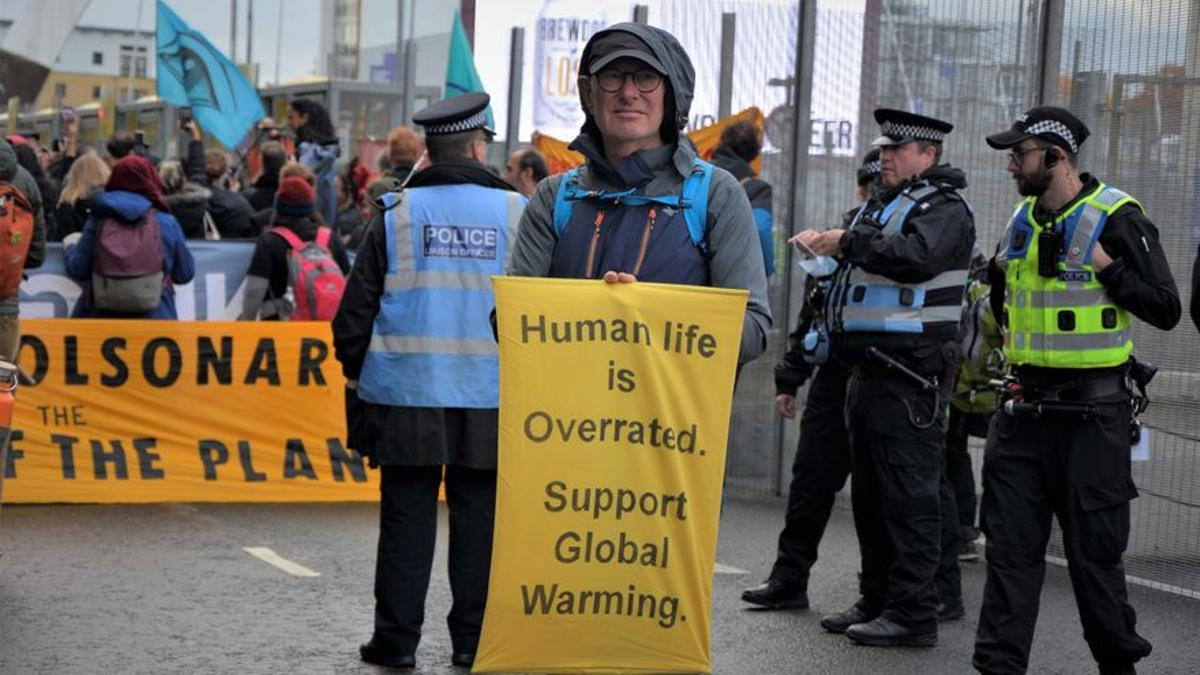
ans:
(695, 202)
(562, 203)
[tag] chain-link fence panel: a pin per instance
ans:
(1131, 71)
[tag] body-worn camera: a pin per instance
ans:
(1050, 243)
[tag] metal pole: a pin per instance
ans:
(250, 32)
(793, 293)
(1050, 31)
(396, 64)
(516, 68)
(278, 40)
(728, 38)
(641, 14)
(233, 30)
(410, 75)
(137, 26)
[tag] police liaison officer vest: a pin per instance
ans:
(1064, 321)
(431, 343)
(861, 302)
(656, 238)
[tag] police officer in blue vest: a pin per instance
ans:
(644, 206)
(893, 314)
(413, 337)
(1078, 260)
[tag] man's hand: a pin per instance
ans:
(1100, 257)
(786, 405)
(71, 128)
(821, 243)
(611, 277)
(191, 129)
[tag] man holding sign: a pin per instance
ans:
(611, 464)
(644, 206)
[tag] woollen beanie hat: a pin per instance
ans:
(295, 197)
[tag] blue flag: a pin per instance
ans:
(461, 76)
(193, 72)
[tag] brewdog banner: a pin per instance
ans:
(156, 411)
(614, 412)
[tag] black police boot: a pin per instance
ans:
(374, 653)
(883, 632)
(951, 611)
(838, 623)
(463, 659)
(772, 594)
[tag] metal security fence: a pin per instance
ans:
(1130, 70)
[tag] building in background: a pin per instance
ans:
(96, 63)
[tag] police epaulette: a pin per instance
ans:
(382, 205)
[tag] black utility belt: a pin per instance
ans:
(1108, 386)
(1076, 398)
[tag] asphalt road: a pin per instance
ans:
(169, 588)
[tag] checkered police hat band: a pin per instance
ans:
(476, 121)
(871, 168)
(913, 131)
(1053, 127)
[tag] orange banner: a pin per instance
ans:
(560, 158)
(153, 411)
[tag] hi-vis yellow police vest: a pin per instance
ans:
(1067, 320)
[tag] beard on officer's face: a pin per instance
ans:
(1033, 184)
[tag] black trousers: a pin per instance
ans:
(896, 441)
(407, 531)
(958, 461)
(1078, 470)
(819, 471)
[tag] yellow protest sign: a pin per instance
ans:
(614, 412)
(153, 411)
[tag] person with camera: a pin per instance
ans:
(231, 213)
(1078, 260)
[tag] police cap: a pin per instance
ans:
(1047, 122)
(871, 167)
(897, 127)
(455, 115)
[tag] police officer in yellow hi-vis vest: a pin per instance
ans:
(415, 344)
(1078, 259)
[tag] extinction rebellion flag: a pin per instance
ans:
(194, 73)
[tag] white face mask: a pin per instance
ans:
(821, 266)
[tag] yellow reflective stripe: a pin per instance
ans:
(411, 344)
(1063, 299)
(1071, 342)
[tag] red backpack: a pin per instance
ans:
(315, 282)
(127, 265)
(16, 233)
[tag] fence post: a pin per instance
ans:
(793, 291)
(516, 69)
(1049, 53)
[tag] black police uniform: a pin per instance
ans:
(896, 427)
(411, 445)
(1068, 465)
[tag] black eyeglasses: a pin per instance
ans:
(612, 80)
(1017, 155)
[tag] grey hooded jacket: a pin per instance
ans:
(735, 256)
(11, 172)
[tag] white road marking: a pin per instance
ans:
(272, 558)
(726, 569)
